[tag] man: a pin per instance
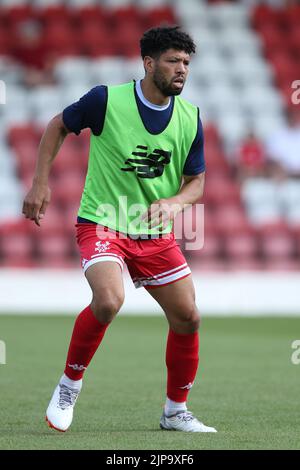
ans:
(146, 159)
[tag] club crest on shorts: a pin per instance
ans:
(101, 247)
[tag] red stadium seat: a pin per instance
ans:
(126, 39)
(5, 41)
(271, 53)
(18, 263)
(55, 14)
(231, 219)
(295, 230)
(130, 49)
(18, 13)
(129, 15)
(14, 227)
(93, 40)
(211, 244)
(89, 13)
(215, 160)
(70, 218)
(245, 264)
(53, 246)
(285, 90)
(293, 38)
(95, 50)
(16, 250)
(277, 246)
(212, 265)
(297, 241)
(68, 159)
(59, 38)
(212, 248)
(282, 48)
(210, 223)
(52, 224)
(291, 16)
(212, 135)
(279, 227)
(284, 83)
(56, 251)
(220, 190)
(263, 14)
(93, 31)
(282, 265)
(68, 189)
(26, 158)
(58, 263)
(22, 133)
(159, 15)
(272, 36)
(241, 246)
(284, 66)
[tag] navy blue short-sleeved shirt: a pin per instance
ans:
(89, 112)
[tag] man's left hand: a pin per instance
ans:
(161, 213)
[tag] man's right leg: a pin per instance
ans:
(105, 279)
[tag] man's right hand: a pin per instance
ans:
(36, 202)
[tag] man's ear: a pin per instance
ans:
(149, 64)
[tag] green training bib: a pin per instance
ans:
(129, 168)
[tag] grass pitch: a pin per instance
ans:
(247, 386)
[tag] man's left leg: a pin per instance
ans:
(182, 353)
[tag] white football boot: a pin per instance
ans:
(183, 421)
(59, 413)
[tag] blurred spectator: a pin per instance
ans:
(251, 159)
(283, 147)
(31, 52)
(29, 49)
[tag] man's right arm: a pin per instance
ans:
(38, 198)
(88, 112)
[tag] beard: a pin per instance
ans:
(166, 87)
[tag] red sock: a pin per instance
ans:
(182, 358)
(87, 335)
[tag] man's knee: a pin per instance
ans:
(106, 305)
(192, 318)
(187, 319)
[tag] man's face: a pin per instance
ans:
(170, 71)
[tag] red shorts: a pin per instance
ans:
(151, 262)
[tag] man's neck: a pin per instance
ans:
(152, 93)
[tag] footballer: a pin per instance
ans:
(145, 164)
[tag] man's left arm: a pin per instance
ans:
(165, 210)
(192, 189)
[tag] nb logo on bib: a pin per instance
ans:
(148, 165)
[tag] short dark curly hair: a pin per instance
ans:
(157, 40)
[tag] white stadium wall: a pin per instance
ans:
(67, 292)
